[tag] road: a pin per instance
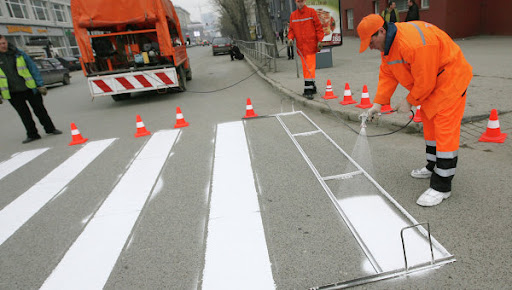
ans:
(178, 209)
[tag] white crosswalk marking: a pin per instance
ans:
(15, 214)
(89, 261)
(236, 251)
(19, 160)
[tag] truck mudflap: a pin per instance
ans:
(137, 81)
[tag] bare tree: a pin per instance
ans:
(266, 26)
(235, 11)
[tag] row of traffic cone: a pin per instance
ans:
(365, 100)
(76, 137)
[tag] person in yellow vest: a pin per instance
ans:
(20, 81)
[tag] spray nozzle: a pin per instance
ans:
(363, 117)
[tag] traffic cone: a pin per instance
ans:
(328, 92)
(249, 111)
(417, 115)
(141, 129)
(365, 99)
(76, 137)
(386, 108)
(493, 132)
(180, 121)
(347, 98)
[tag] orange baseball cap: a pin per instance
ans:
(367, 27)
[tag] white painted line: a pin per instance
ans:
(236, 251)
(18, 160)
(15, 214)
(91, 258)
(378, 224)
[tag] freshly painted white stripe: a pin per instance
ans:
(378, 224)
(91, 258)
(15, 214)
(19, 159)
(236, 251)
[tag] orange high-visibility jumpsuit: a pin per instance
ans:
(426, 61)
(305, 26)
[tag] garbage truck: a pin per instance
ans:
(129, 46)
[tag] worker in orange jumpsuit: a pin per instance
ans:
(426, 61)
(306, 28)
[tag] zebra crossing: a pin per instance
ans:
(88, 262)
(241, 231)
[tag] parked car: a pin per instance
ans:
(69, 62)
(221, 45)
(52, 71)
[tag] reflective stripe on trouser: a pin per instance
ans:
(308, 65)
(442, 137)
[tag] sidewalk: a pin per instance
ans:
(490, 88)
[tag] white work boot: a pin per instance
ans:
(421, 173)
(432, 197)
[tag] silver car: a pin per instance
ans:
(221, 45)
(52, 71)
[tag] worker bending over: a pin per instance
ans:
(306, 28)
(426, 61)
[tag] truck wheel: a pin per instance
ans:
(182, 79)
(66, 80)
(189, 74)
(120, 97)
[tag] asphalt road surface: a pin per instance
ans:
(227, 203)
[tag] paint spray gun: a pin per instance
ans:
(364, 117)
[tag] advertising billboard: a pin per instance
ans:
(330, 16)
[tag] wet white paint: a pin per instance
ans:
(236, 251)
(91, 258)
(15, 214)
(379, 225)
(19, 159)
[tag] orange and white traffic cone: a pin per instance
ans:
(386, 109)
(76, 137)
(365, 99)
(417, 115)
(347, 96)
(180, 121)
(141, 129)
(249, 111)
(328, 92)
(493, 132)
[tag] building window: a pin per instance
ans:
(350, 19)
(376, 7)
(58, 9)
(40, 10)
(425, 3)
(401, 5)
(17, 8)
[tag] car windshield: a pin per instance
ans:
(220, 40)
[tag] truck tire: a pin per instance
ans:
(189, 74)
(182, 79)
(120, 97)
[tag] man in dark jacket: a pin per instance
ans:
(414, 12)
(20, 81)
(234, 52)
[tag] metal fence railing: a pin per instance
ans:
(262, 53)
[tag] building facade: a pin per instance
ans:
(43, 23)
(459, 18)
